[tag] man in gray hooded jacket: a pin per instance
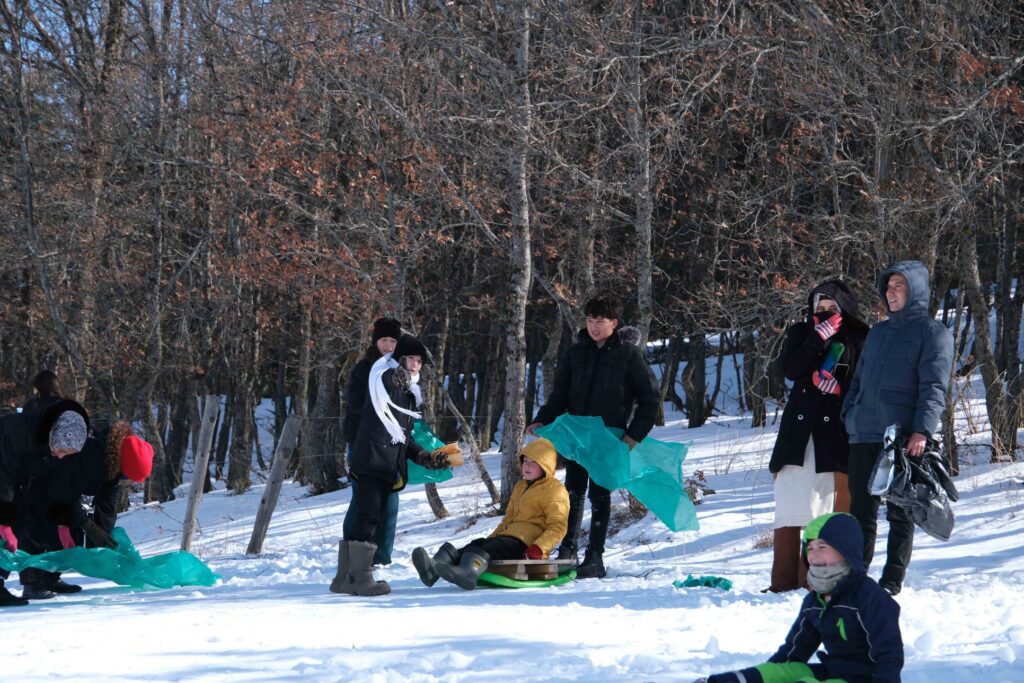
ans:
(902, 378)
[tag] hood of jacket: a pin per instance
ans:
(841, 531)
(543, 453)
(840, 292)
(916, 274)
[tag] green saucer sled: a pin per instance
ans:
(490, 580)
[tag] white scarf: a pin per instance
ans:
(382, 404)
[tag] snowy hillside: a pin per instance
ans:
(273, 619)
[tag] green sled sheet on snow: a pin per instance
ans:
(428, 441)
(652, 471)
(489, 580)
(122, 565)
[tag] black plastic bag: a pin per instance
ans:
(920, 485)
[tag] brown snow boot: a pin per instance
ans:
(787, 560)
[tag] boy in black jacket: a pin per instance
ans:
(846, 612)
(602, 376)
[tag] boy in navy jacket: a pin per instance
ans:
(846, 612)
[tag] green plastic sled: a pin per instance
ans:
(490, 580)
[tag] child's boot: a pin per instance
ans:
(342, 583)
(360, 570)
(426, 566)
(473, 563)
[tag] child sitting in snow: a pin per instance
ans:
(534, 523)
(846, 611)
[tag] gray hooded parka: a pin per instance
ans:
(904, 368)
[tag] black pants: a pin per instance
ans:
(864, 507)
(498, 547)
(370, 497)
(576, 480)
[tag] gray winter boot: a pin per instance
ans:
(426, 566)
(470, 567)
(360, 570)
(342, 583)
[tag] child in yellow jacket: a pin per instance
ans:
(535, 522)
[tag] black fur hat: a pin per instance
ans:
(386, 327)
(409, 345)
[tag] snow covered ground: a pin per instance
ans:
(272, 618)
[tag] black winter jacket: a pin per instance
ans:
(809, 413)
(84, 475)
(25, 449)
(605, 382)
(356, 389)
(373, 453)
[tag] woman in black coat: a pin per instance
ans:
(379, 462)
(809, 461)
(55, 517)
(32, 443)
(386, 332)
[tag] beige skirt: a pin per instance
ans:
(801, 493)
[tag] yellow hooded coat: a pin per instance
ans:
(538, 511)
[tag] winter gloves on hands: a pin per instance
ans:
(534, 553)
(97, 535)
(825, 382)
(403, 378)
(9, 539)
(827, 328)
(445, 456)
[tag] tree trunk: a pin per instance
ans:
(995, 392)
(520, 270)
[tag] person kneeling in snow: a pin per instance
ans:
(855, 620)
(535, 522)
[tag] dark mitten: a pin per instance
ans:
(534, 552)
(7, 515)
(435, 460)
(97, 535)
(61, 514)
(402, 377)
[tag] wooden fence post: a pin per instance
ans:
(285, 445)
(201, 458)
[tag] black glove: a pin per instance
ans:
(7, 513)
(97, 535)
(402, 377)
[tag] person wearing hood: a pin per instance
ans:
(32, 443)
(535, 521)
(386, 332)
(847, 613)
(379, 463)
(902, 378)
(809, 461)
(600, 375)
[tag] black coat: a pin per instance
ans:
(605, 382)
(373, 454)
(809, 413)
(355, 398)
(25, 449)
(85, 474)
(55, 498)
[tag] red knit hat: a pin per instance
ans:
(136, 458)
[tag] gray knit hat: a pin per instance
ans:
(68, 431)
